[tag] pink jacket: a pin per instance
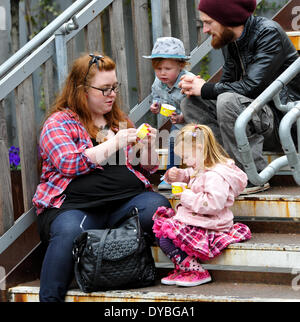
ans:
(209, 196)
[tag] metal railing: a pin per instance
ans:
(291, 156)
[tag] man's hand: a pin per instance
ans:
(177, 118)
(191, 85)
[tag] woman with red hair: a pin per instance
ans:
(93, 169)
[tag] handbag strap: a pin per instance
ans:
(100, 254)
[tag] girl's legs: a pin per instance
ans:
(58, 264)
(188, 270)
(174, 253)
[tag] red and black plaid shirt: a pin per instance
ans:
(62, 143)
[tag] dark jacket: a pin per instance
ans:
(255, 60)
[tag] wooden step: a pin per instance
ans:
(262, 253)
(279, 202)
(211, 292)
(265, 253)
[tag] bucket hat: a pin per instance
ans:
(168, 47)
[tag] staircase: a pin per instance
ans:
(263, 269)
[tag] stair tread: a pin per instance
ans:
(270, 241)
(264, 252)
(279, 202)
(281, 193)
(210, 292)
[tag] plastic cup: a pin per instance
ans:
(143, 130)
(167, 110)
(178, 187)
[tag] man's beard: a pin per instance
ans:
(226, 36)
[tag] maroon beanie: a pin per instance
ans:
(229, 13)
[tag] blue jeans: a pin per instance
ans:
(58, 266)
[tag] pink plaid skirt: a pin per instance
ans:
(202, 243)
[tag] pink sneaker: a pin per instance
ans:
(193, 278)
(171, 278)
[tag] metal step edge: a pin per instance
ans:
(30, 294)
(268, 156)
(258, 206)
(262, 196)
(252, 260)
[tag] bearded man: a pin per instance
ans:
(256, 51)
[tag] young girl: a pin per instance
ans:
(203, 223)
(169, 62)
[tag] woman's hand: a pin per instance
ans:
(150, 138)
(148, 154)
(125, 137)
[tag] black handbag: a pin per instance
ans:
(112, 258)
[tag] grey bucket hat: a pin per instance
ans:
(168, 47)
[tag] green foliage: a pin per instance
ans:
(204, 68)
(268, 5)
(39, 16)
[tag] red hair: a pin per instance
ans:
(73, 95)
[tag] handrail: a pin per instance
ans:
(42, 35)
(246, 116)
(287, 143)
(20, 225)
(47, 49)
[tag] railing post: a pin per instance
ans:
(157, 27)
(61, 57)
(6, 202)
(61, 49)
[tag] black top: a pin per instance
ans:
(93, 190)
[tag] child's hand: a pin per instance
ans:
(173, 175)
(177, 118)
(155, 107)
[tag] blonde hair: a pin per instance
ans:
(193, 134)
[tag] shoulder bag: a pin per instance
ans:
(112, 258)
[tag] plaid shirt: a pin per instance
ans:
(62, 143)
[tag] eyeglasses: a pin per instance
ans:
(107, 91)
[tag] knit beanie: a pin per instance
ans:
(228, 13)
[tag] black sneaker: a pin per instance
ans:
(251, 188)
